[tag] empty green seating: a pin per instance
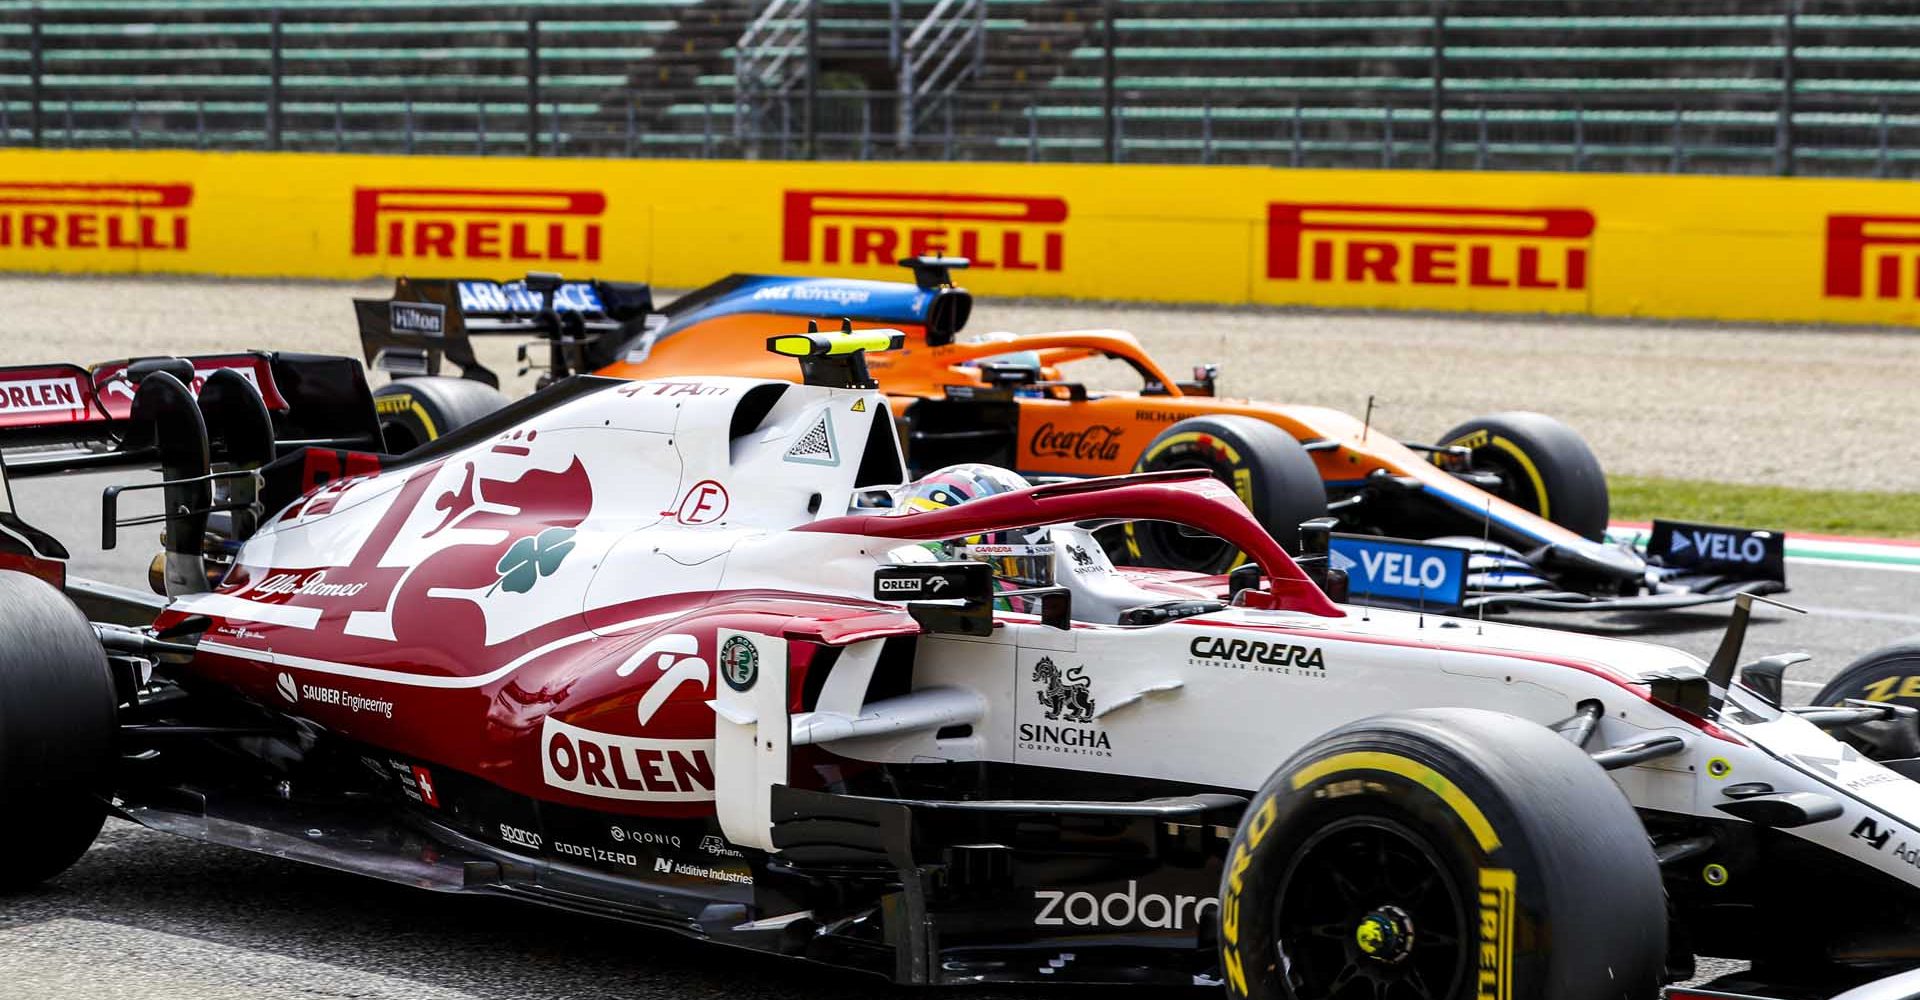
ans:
(1603, 84)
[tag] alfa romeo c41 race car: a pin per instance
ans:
(683, 652)
(1510, 510)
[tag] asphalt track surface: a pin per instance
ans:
(152, 917)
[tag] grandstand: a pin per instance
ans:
(1747, 86)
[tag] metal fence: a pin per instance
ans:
(1657, 133)
(553, 81)
(362, 75)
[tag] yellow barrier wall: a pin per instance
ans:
(1607, 245)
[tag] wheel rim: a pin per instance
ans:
(1201, 553)
(1367, 909)
(1514, 487)
(400, 438)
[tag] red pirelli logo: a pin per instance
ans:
(1885, 246)
(477, 223)
(1336, 243)
(90, 216)
(996, 232)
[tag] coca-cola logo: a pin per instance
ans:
(1099, 442)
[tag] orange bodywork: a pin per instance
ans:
(1102, 433)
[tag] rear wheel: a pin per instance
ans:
(1442, 854)
(1270, 471)
(57, 726)
(1545, 467)
(414, 411)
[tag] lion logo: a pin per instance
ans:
(1064, 692)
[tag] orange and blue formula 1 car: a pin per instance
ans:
(1505, 511)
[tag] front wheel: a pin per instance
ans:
(1445, 854)
(1544, 467)
(1269, 470)
(57, 727)
(1889, 675)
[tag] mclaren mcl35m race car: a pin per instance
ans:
(689, 653)
(1508, 510)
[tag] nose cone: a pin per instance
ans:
(1599, 559)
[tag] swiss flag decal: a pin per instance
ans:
(424, 780)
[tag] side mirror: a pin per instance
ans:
(1245, 578)
(1316, 536)
(1205, 378)
(1766, 675)
(1316, 558)
(1056, 605)
(1002, 374)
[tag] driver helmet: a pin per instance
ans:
(1020, 559)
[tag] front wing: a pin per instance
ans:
(1461, 574)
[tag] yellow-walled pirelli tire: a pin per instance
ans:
(414, 411)
(58, 722)
(1442, 853)
(1269, 470)
(1888, 675)
(1546, 467)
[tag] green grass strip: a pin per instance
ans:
(1827, 512)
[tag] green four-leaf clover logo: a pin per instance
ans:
(531, 558)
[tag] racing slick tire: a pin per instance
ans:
(1889, 675)
(416, 410)
(1269, 470)
(57, 728)
(1448, 853)
(1546, 466)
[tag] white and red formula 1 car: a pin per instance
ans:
(660, 651)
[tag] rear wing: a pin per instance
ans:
(931, 303)
(188, 417)
(429, 321)
(589, 325)
(59, 418)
